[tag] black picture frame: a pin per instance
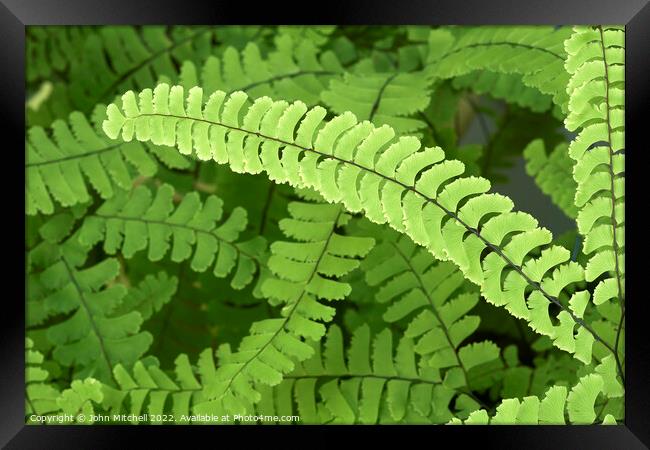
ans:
(16, 14)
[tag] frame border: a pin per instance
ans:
(16, 14)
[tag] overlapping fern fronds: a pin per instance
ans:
(303, 273)
(123, 57)
(139, 220)
(90, 337)
(414, 190)
(371, 382)
(52, 49)
(294, 71)
(329, 142)
(60, 164)
(582, 405)
(536, 53)
(437, 300)
(506, 86)
(44, 403)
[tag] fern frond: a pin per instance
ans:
(558, 407)
(121, 57)
(383, 98)
(596, 108)
(504, 86)
(149, 296)
(392, 180)
(50, 50)
(536, 53)
(148, 389)
(89, 337)
(40, 396)
(318, 35)
(60, 166)
(414, 285)
(302, 273)
(44, 403)
(292, 71)
(553, 174)
(372, 382)
(137, 220)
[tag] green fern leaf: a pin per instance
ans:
(416, 191)
(552, 174)
(44, 403)
(149, 296)
(411, 282)
(596, 108)
(536, 53)
(383, 98)
(148, 389)
(61, 166)
(579, 405)
(505, 86)
(137, 220)
(302, 273)
(292, 71)
(40, 395)
(370, 383)
(89, 338)
(120, 58)
(51, 50)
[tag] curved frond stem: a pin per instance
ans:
(293, 307)
(185, 227)
(72, 157)
(91, 320)
(111, 88)
(375, 104)
(501, 43)
(612, 176)
(433, 309)
(495, 248)
(295, 74)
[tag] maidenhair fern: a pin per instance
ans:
(140, 220)
(90, 337)
(579, 405)
(351, 257)
(413, 282)
(373, 382)
(300, 275)
(387, 178)
(596, 109)
(62, 163)
(292, 71)
(550, 172)
(45, 404)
